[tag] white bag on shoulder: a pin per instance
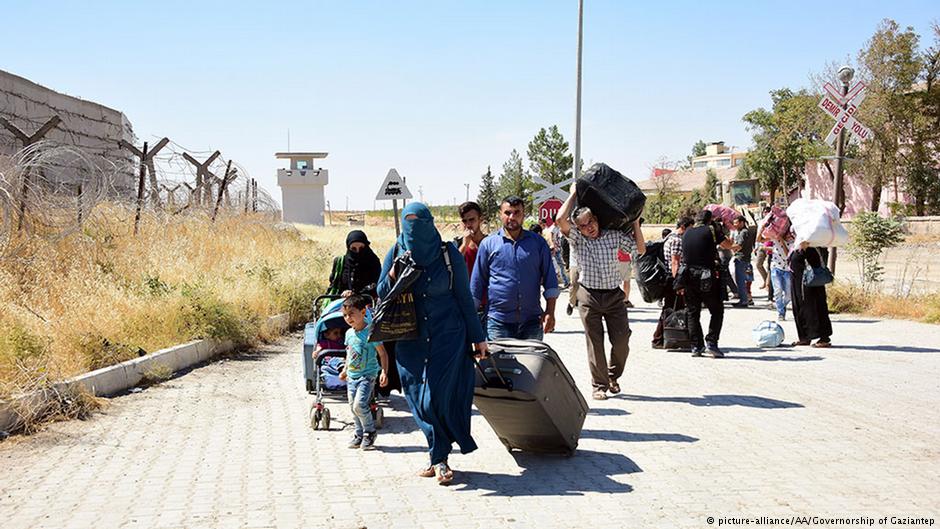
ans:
(817, 222)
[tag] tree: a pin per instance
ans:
(548, 155)
(664, 206)
(785, 137)
(919, 166)
(744, 171)
(712, 189)
(514, 180)
(487, 197)
(698, 149)
(890, 64)
(872, 234)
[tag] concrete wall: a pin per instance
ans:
(858, 194)
(94, 129)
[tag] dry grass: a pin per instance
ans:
(847, 297)
(99, 296)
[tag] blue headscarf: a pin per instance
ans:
(419, 235)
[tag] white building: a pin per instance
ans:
(302, 187)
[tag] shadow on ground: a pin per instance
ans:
(631, 437)
(749, 401)
(586, 471)
(888, 348)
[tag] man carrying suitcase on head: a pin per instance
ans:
(600, 297)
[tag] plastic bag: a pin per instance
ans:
(768, 334)
(613, 198)
(396, 317)
(723, 214)
(817, 223)
(777, 223)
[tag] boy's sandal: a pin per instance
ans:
(822, 345)
(427, 472)
(444, 474)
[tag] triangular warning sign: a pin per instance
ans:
(393, 188)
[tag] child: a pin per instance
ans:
(331, 367)
(362, 367)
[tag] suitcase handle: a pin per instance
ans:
(507, 383)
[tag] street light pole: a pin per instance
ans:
(577, 113)
(845, 75)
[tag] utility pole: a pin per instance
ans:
(27, 140)
(146, 161)
(577, 112)
(468, 192)
(421, 193)
(845, 75)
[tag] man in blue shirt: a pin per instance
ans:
(512, 268)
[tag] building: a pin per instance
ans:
(717, 156)
(87, 127)
(302, 187)
(724, 162)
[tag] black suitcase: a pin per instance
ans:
(526, 394)
(676, 335)
(613, 198)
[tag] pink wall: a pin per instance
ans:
(857, 193)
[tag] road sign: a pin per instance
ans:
(393, 188)
(551, 190)
(548, 210)
(833, 102)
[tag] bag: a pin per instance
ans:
(723, 214)
(777, 223)
(396, 318)
(768, 334)
(703, 277)
(676, 334)
(651, 277)
(817, 222)
(817, 276)
(529, 398)
(613, 198)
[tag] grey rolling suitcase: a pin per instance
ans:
(528, 397)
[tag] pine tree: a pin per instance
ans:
(514, 180)
(549, 157)
(487, 198)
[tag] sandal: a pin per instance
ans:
(822, 345)
(614, 387)
(427, 472)
(599, 395)
(800, 342)
(444, 474)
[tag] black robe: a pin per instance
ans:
(810, 309)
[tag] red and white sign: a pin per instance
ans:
(832, 104)
(548, 210)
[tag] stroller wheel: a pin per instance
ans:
(326, 418)
(315, 418)
(379, 417)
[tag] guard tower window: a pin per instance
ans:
(301, 164)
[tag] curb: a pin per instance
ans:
(114, 379)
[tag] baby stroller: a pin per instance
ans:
(320, 372)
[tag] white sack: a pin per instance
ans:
(817, 222)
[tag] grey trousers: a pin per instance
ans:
(575, 286)
(596, 307)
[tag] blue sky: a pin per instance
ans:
(438, 89)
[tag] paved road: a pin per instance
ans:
(846, 432)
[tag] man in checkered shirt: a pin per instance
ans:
(672, 254)
(600, 298)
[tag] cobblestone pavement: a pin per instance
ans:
(846, 432)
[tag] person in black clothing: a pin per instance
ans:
(360, 270)
(671, 256)
(810, 308)
(699, 281)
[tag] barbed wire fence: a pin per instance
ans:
(50, 188)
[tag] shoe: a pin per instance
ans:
(822, 345)
(781, 317)
(800, 342)
(569, 309)
(628, 303)
(713, 351)
(355, 442)
(427, 472)
(698, 351)
(599, 394)
(613, 387)
(658, 346)
(368, 442)
(740, 305)
(444, 474)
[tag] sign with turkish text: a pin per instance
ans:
(843, 109)
(548, 210)
(551, 190)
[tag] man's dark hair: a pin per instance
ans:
(766, 210)
(703, 217)
(685, 222)
(357, 301)
(513, 201)
(536, 228)
(666, 232)
(642, 220)
(467, 207)
(740, 218)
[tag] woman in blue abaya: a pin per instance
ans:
(437, 369)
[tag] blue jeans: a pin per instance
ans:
(781, 280)
(359, 393)
(560, 268)
(743, 275)
(530, 330)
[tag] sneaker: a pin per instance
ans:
(781, 317)
(355, 442)
(698, 351)
(658, 346)
(741, 305)
(368, 442)
(713, 351)
(569, 309)
(628, 303)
